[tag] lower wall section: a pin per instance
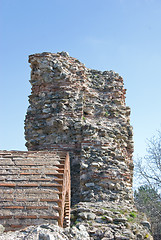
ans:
(34, 188)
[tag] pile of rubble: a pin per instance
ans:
(47, 232)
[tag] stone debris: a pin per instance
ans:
(111, 220)
(48, 232)
(2, 228)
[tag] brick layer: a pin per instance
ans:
(31, 185)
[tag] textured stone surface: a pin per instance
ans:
(83, 111)
(112, 220)
(47, 232)
(34, 188)
(1, 228)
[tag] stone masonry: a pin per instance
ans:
(83, 111)
(34, 188)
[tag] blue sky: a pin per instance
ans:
(122, 35)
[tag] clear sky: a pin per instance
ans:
(122, 35)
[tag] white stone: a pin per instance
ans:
(83, 165)
(94, 164)
(89, 184)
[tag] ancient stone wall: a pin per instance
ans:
(54, 117)
(34, 188)
(83, 111)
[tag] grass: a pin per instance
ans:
(90, 223)
(113, 210)
(76, 222)
(122, 211)
(133, 214)
(104, 208)
(130, 219)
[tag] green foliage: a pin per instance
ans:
(103, 218)
(130, 219)
(148, 168)
(76, 222)
(148, 201)
(133, 214)
(116, 114)
(122, 211)
(90, 223)
(112, 209)
(104, 208)
(146, 195)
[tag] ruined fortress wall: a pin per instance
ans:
(82, 111)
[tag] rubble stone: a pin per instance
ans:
(83, 111)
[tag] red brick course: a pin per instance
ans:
(28, 191)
